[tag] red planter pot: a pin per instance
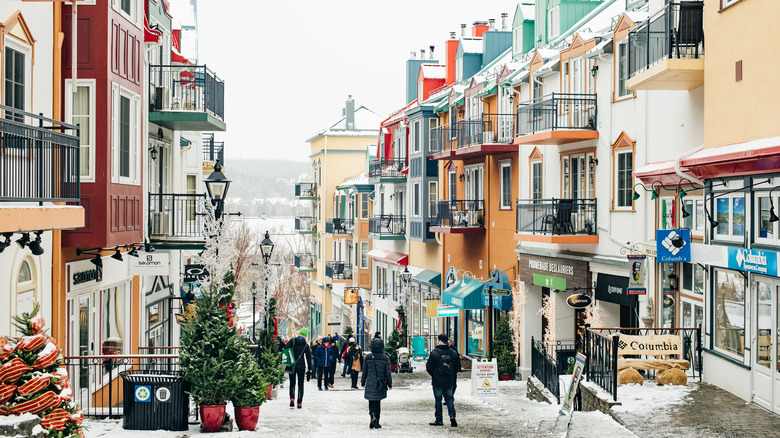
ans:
(506, 376)
(247, 416)
(268, 392)
(393, 367)
(211, 417)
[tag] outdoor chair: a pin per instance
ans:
(561, 221)
(418, 347)
(689, 33)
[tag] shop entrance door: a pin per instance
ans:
(765, 361)
(82, 331)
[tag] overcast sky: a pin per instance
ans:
(288, 66)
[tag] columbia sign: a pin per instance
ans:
(579, 301)
(650, 345)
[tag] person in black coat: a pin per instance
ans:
(442, 378)
(302, 354)
(354, 359)
(377, 379)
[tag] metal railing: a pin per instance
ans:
(338, 270)
(213, 150)
(308, 190)
(677, 32)
(557, 216)
(305, 224)
(38, 163)
(545, 368)
(97, 386)
(557, 111)
(176, 216)
(387, 168)
(601, 365)
(441, 139)
(339, 226)
(304, 261)
(186, 88)
(457, 213)
(387, 225)
(479, 130)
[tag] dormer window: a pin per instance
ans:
(553, 22)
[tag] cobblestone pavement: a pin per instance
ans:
(707, 411)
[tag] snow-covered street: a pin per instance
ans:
(406, 412)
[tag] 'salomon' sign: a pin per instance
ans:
(651, 345)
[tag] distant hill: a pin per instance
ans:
(266, 187)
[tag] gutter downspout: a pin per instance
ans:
(679, 159)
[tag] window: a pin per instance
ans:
(433, 191)
(536, 179)
(730, 316)
(669, 301)
(14, 82)
(730, 214)
(363, 255)
(128, 7)
(692, 280)
(565, 79)
(416, 200)
(476, 328)
(416, 133)
(553, 22)
(363, 205)
(694, 206)
(692, 313)
(506, 184)
(624, 168)
(453, 190)
(113, 327)
(25, 289)
(766, 229)
(400, 205)
(538, 88)
(80, 110)
(125, 137)
(591, 80)
(395, 285)
(666, 209)
(458, 70)
(578, 176)
(622, 69)
(475, 186)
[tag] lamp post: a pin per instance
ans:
(266, 249)
(406, 279)
(254, 296)
(217, 187)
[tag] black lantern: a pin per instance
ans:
(217, 184)
(405, 276)
(266, 248)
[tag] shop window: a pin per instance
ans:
(669, 284)
(730, 315)
(730, 214)
(475, 329)
(692, 313)
(667, 206)
(692, 279)
(694, 206)
(767, 231)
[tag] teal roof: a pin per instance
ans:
(465, 293)
(428, 276)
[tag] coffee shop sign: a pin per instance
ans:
(556, 268)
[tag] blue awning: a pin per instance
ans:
(428, 276)
(465, 293)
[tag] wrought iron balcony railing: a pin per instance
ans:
(678, 32)
(39, 161)
(338, 226)
(176, 216)
(557, 111)
(304, 262)
(213, 150)
(338, 270)
(441, 139)
(186, 88)
(306, 224)
(557, 216)
(306, 190)
(483, 129)
(387, 168)
(387, 225)
(457, 213)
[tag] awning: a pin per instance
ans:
(500, 302)
(390, 257)
(459, 101)
(428, 276)
(441, 106)
(465, 293)
(488, 90)
(663, 172)
(749, 158)
(150, 35)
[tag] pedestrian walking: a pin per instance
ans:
(326, 358)
(378, 335)
(332, 369)
(343, 355)
(354, 359)
(443, 365)
(315, 344)
(377, 379)
(302, 354)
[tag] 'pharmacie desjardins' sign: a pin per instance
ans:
(574, 271)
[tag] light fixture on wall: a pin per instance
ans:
(594, 70)
(24, 240)
(672, 281)
(7, 243)
(772, 216)
(35, 245)
(460, 177)
(685, 213)
(153, 152)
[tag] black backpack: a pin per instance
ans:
(446, 364)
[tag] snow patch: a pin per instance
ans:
(12, 420)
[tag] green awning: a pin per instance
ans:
(441, 106)
(428, 276)
(489, 90)
(461, 100)
(465, 293)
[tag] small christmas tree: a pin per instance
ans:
(348, 332)
(392, 345)
(270, 357)
(502, 348)
(31, 380)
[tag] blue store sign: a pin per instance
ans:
(673, 246)
(751, 260)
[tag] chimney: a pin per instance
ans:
(422, 53)
(480, 27)
(492, 24)
(452, 35)
(450, 51)
(350, 113)
(412, 55)
(463, 30)
(504, 16)
(431, 51)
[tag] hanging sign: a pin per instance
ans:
(751, 260)
(673, 246)
(195, 273)
(351, 296)
(556, 273)
(612, 288)
(433, 309)
(157, 263)
(579, 301)
(636, 280)
(484, 378)
(568, 402)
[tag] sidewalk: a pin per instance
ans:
(697, 410)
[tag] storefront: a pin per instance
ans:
(465, 294)
(617, 307)
(425, 289)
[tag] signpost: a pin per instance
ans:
(568, 402)
(484, 378)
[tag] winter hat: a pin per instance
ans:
(377, 346)
(351, 340)
(304, 332)
(443, 337)
(325, 339)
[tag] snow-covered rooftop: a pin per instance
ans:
(433, 71)
(471, 45)
(366, 125)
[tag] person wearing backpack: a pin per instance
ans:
(354, 358)
(301, 351)
(443, 366)
(377, 379)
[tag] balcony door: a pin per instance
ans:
(475, 183)
(765, 357)
(159, 167)
(579, 176)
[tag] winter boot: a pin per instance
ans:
(376, 423)
(436, 423)
(292, 402)
(299, 405)
(453, 423)
(372, 424)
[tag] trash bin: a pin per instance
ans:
(155, 400)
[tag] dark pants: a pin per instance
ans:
(299, 376)
(374, 409)
(438, 392)
(332, 373)
(354, 374)
(322, 371)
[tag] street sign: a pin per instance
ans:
(501, 292)
(433, 309)
(557, 283)
(568, 402)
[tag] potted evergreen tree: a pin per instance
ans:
(247, 401)
(391, 349)
(502, 350)
(270, 356)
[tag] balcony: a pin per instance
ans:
(306, 191)
(186, 98)
(458, 217)
(387, 227)
(213, 151)
(484, 135)
(338, 272)
(339, 227)
(387, 170)
(557, 221)
(557, 119)
(304, 262)
(306, 225)
(667, 52)
(39, 162)
(176, 220)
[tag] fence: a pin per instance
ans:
(176, 216)
(306, 190)
(549, 361)
(338, 270)
(387, 225)
(38, 163)
(305, 224)
(338, 226)
(557, 111)
(458, 213)
(387, 168)
(304, 261)
(557, 216)
(186, 88)
(213, 150)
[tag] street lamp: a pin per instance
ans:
(266, 249)
(254, 296)
(217, 187)
(406, 280)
